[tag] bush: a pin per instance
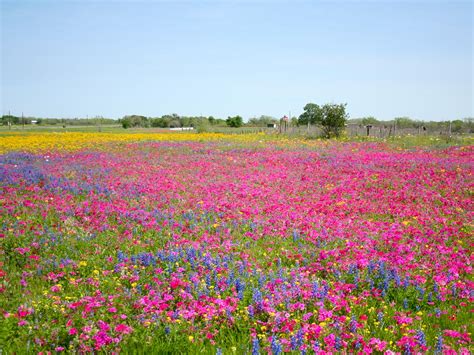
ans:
(235, 121)
(331, 118)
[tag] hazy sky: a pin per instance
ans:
(386, 58)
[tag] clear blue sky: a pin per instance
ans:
(387, 59)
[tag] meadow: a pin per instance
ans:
(234, 244)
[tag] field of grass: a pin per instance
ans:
(159, 242)
(119, 129)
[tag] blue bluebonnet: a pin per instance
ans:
(406, 282)
(251, 311)
(353, 325)
(257, 296)
(405, 303)
(276, 346)
(255, 347)
(315, 288)
(358, 345)
(420, 337)
(240, 288)
(371, 267)
(436, 291)
(439, 345)
(297, 340)
(380, 317)
(407, 350)
(421, 292)
(296, 235)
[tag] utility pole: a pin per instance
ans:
(23, 120)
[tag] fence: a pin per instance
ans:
(376, 131)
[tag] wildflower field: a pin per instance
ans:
(222, 244)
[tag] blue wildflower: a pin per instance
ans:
(255, 347)
(439, 345)
(420, 337)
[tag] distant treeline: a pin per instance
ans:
(165, 121)
(199, 122)
(169, 121)
(18, 120)
(465, 125)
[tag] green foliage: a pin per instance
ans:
(14, 120)
(235, 121)
(10, 119)
(201, 123)
(134, 121)
(63, 121)
(218, 122)
(457, 126)
(333, 119)
(162, 122)
(312, 114)
(405, 122)
(202, 126)
(469, 124)
(261, 121)
(370, 120)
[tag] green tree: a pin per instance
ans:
(369, 121)
(185, 121)
(261, 121)
(202, 126)
(235, 121)
(312, 115)
(469, 124)
(10, 118)
(134, 121)
(333, 119)
(161, 122)
(457, 126)
(405, 122)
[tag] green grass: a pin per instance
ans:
(405, 141)
(119, 129)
